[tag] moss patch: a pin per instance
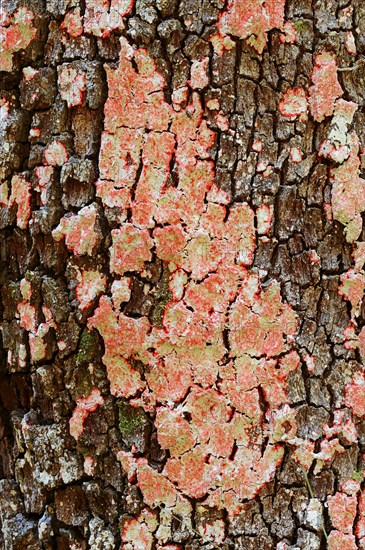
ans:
(88, 347)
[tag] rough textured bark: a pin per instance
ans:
(182, 253)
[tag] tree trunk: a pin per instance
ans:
(181, 216)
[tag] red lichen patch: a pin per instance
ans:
(44, 175)
(72, 23)
(338, 540)
(123, 337)
(156, 488)
(55, 154)
(83, 408)
(289, 33)
(351, 487)
(359, 255)
(72, 85)
(29, 73)
(348, 192)
(295, 154)
(257, 146)
(342, 426)
(360, 524)
(81, 231)
(27, 316)
(355, 394)
(337, 146)
(352, 288)
(34, 132)
(222, 122)
(121, 291)
(213, 531)
(155, 166)
(130, 249)
(171, 241)
(261, 324)
(221, 43)
(28, 321)
(350, 43)
(174, 431)
(342, 510)
(102, 16)
(89, 465)
(325, 89)
(213, 104)
(16, 33)
(264, 216)
(191, 473)
(294, 104)
(21, 196)
(4, 109)
(199, 78)
(137, 532)
(156, 157)
(253, 20)
(90, 285)
(26, 289)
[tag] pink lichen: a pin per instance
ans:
(137, 532)
(91, 283)
(352, 288)
(222, 122)
(264, 215)
(221, 43)
(72, 85)
(72, 23)
(83, 408)
(325, 89)
(123, 337)
(29, 321)
(102, 16)
(21, 196)
(213, 104)
(342, 510)
(252, 20)
(348, 192)
(121, 291)
(338, 540)
(156, 171)
(355, 394)
(44, 175)
(350, 43)
(342, 426)
(199, 78)
(4, 109)
(81, 231)
(29, 73)
(27, 317)
(55, 154)
(337, 146)
(16, 33)
(289, 33)
(295, 155)
(294, 104)
(360, 523)
(89, 465)
(257, 146)
(260, 324)
(130, 249)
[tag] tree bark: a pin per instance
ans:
(182, 253)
